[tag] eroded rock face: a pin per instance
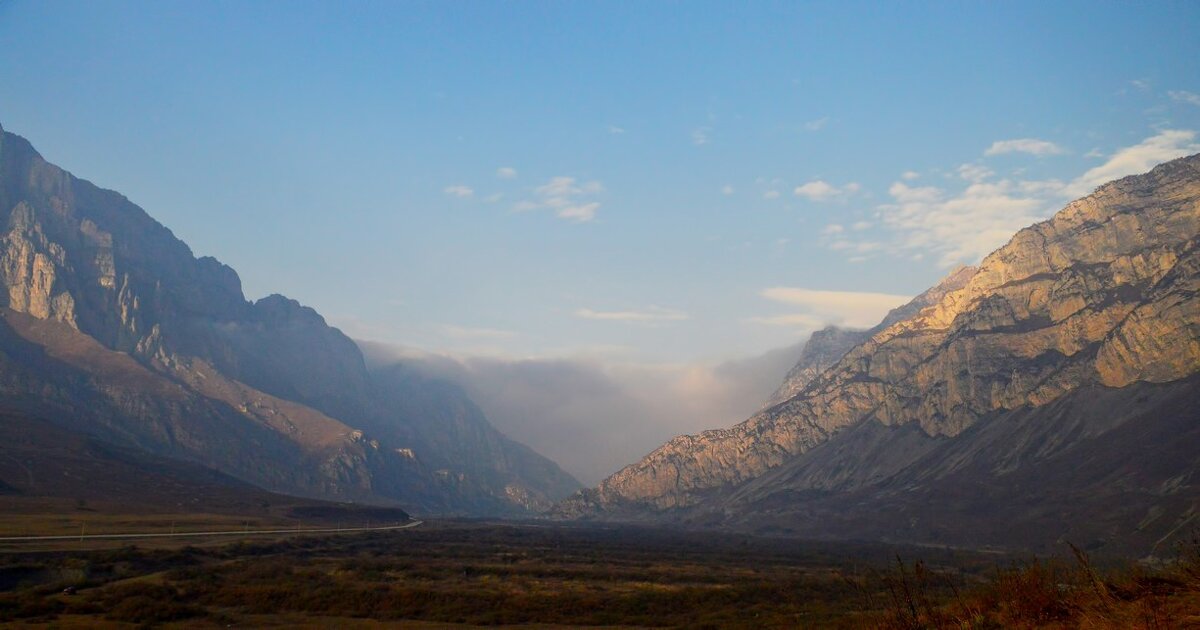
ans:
(266, 391)
(828, 345)
(822, 350)
(1102, 293)
(1110, 469)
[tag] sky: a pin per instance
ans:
(626, 185)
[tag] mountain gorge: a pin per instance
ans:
(113, 328)
(1050, 393)
(1010, 405)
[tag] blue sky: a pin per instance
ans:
(640, 182)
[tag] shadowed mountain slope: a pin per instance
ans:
(48, 470)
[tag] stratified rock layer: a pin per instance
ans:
(1103, 293)
(111, 326)
(827, 346)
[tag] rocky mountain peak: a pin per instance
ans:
(824, 348)
(91, 279)
(828, 345)
(1102, 293)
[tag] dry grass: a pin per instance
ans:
(479, 574)
(1053, 593)
(457, 573)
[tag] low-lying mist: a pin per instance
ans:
(592, 416)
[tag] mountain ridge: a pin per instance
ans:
(827, 346)
(1103, 293)
(270, 371)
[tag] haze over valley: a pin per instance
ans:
(702, 315)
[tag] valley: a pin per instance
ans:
(540, 314)
(468, 574)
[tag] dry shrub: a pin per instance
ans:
(1034, 593)
(145, 603)
(1049, 593)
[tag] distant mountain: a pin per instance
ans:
(828, 345)
(1050, 392)
(51, 470)
(111, 327)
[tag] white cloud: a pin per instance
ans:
(727, 189)
(820, 190)
(963, 227)
(974, 172)
(567, 197)
(793, 320)
(615, 130)
(1141, 84)
(817, 125)
(1041, 188)
(467, 332)
(907, 194)
(833, 228)
(1183, 96)
(460, 191)
(818, 308)
(1167, 145)
(558, 188)
(861, 225)
(700, 136)
(1032, 146)
(817, 190)
(583, 213)
(909, 175)
(771, 194)
(859, 247)
(506, 172)
(654, 314)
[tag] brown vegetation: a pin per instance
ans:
(506, 574)
(1054, 593)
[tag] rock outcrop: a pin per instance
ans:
(112, 326)
(1103, 294)
(1112, 470)
(827, 346)
(822, 350)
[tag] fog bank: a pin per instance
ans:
(593, 417)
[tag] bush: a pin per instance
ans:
(144, 603)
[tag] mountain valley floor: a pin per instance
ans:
(539, 574)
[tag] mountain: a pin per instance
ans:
(827, 346)
(111, 327)
(824, 348)
(49, 471)
(1059, 376)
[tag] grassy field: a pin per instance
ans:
(50, 516)
(460, 574)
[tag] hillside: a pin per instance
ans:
(114, 329)
(1097, 303)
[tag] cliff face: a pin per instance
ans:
(822, 350)
(828, 345)
(1103, 293)
(1113, 470)
(112, 322)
